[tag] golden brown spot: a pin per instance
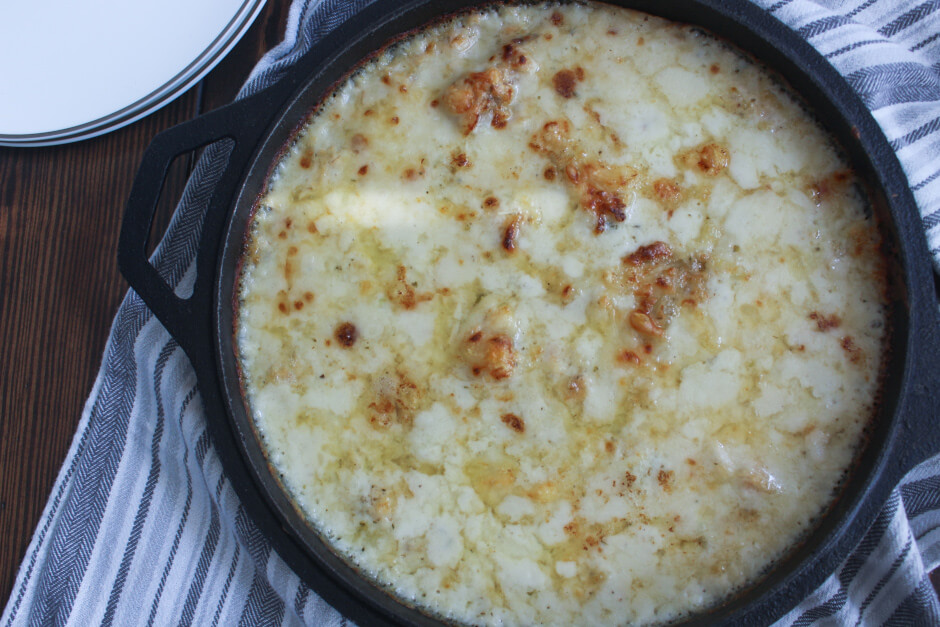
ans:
(854, 352)
(666, 191)
(298, 305)
(544, 492)
(549, 173)
(491, 202)
(396, 401)
(571, 528)
(291, 251)
(306, 160)
(308, 296)
(368, 112)
(748, 515)
(609, 446)
(577, 389)
(642, 323)
(712, 159)
(510, 233)
(435, 103)
(714, 69)
(478, 93)
(661, 285)
(830, 185)
(571, 171)
(513, 55)
(413, 174)
(664, 478)
(403, 89)
(651, 253)
(346, 334)
(282, 235)
(386, 79)
(514, 422)
(640, 41)
(403, 293)
(823, 322)
(312, 227)
(358, 143)
(282, 307)
(363, 170)
(557, 18)
(493, 355)
(393, 120)
(629, 478)
(564, 82)
(599, 185)
(628, 357)
(603, 204)
(460, 160)
(500, 357)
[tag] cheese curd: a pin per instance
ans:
(561, 314)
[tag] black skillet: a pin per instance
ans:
(902, 434)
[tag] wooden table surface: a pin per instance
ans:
(60, 213)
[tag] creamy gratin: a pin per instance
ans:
(561, 314)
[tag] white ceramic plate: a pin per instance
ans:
(71, 71)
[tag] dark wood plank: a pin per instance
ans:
(60, 212)
(59, 288)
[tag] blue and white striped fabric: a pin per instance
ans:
(142, 526)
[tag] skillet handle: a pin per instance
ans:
(188, 319)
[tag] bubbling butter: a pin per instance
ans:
(562, 314)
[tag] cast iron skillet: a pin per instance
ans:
(258, 128)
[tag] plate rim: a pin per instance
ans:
(158, 97)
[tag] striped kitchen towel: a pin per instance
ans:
(142, 526)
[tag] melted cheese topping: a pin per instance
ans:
(561, 315)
